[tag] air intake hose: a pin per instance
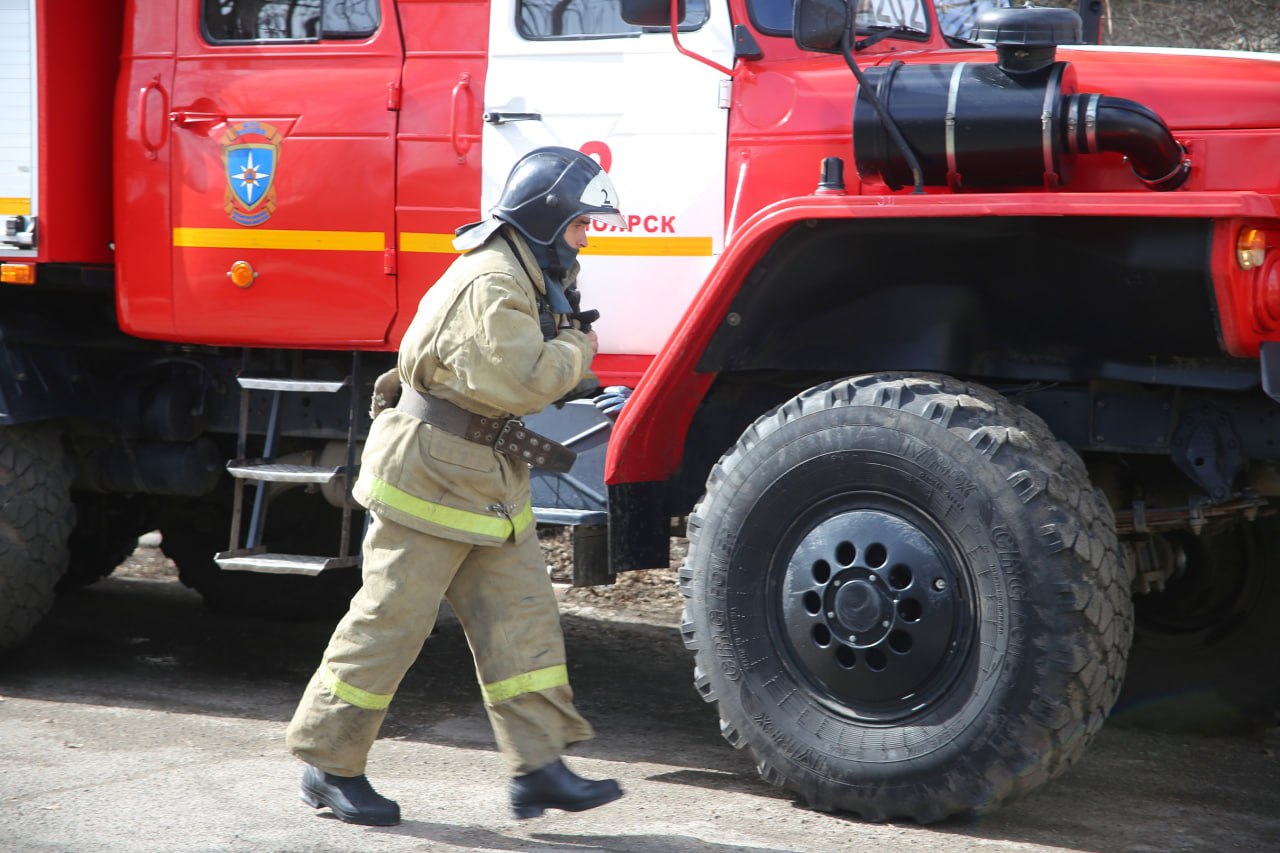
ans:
(1098, 123)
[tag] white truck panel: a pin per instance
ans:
(659, 119)
(18, 125)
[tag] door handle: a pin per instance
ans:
(460, 146)
(499, 117)
(193, 118)
(152, 88)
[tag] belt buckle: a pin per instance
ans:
(508, 426)
(520, 443)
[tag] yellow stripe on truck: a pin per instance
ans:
(439, 244)
(275, 238)
(15, 206)
(436, 244)
(664, 247)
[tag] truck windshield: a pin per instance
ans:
(774, 16)
(956, 16)
(959, 16)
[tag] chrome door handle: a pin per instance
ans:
(498, 117)
(191, 118)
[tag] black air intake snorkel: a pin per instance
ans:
(1018, 122)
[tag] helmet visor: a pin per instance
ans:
(599, 200)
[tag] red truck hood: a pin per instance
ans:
(1189, 89)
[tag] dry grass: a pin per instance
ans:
(1224, 25)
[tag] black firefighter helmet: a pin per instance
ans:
(550, 187)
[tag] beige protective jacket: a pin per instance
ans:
(476, 342)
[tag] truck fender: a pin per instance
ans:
(647, 440)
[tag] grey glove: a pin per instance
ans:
(386, 392)
(611, 400)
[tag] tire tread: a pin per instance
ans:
(1050, 478)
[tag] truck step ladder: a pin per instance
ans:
(253, 556)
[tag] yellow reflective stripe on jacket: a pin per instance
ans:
(354, 695)
(525, 682)
(447, 516)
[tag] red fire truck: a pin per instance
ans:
(954, 340)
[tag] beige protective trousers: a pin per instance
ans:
(503, 598)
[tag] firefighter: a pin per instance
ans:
(445, 477)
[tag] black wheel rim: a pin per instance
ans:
(874, 608)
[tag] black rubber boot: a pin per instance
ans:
(352, 798)
(557, 787)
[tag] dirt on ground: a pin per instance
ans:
(650, 595)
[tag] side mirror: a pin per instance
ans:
(820, 24)
(650, 13)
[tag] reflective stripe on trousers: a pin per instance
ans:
(447, 516)
(353, 695)
(499, 691)
(526, 682)
(504, 601)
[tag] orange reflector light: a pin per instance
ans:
(241, 274)
(18, 273)
(1251, 248)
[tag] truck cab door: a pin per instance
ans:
(573, 73)
(282, 125)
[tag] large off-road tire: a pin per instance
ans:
(1204, 649)
(193, 531)
(36, 516)
(906, 598)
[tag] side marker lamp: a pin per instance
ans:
(241, 274)
(1251, 249)
(18, 273)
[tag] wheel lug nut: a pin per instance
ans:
(831, 614)
(939, 584)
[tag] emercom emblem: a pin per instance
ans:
(251, 156)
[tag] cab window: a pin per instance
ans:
(773, 17)
(239, 21)
(959, 16)
(586, 19)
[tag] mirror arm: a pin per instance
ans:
(675, 37)
(895, 133)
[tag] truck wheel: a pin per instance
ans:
(1203, 654)
(193, 532)
(906, 598)
(36, 516)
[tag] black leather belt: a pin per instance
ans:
(508, 436)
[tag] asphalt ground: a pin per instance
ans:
(138, 720)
